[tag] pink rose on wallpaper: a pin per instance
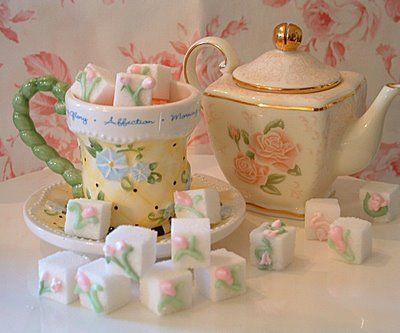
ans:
(392, 8)
(275, 3)
(389, 57)
(7, 20)
(7, 171)
(249, 171)
(275, 148)
(318, 17)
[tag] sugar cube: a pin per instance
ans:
(320, 213)
(380, 201)
(95, 85)
(224, 278)
(130, 251)
(160, 73)
(133, 90)
(350, 238)
(57, 275)
(100, 290)
(272, 245)
(88, 218)
(198, 204)
(166, 289)
(190, 242)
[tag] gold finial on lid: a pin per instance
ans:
(287, 36)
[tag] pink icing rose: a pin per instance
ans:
(320, 226)
(336, 235)
(108, 250)
(376, 202)
(180, 242)
(45, 276)
(83, 281)
(249, 171)
(275, 3)
(90, 73)
(224, 274)
(266, 259)
(89, 212)
(168, 288)
(148, 83)
(275, 148)
(56, 285)
(183, 198)
(234, 132)
(125, 80)
(135, 69)
(121, 245)
(270, 233)
(392, 8)
(318, 15)
(276, 224)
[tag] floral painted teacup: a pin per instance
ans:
(134, 157)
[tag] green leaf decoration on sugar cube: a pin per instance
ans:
(245, 136)
(380, 212)
(145, 70)
(274, 124)
(295, 171)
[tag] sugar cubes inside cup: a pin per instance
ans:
(319, 214)
(350, 239)
(95, 85)
(57, 275)
(100, 290)
(380, 201)
(133, 90)
(224, 278)
(190, 242)
(130, 251)
(88, 218)
(272, 245)
(166, 289)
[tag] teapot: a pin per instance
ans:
(285, 125)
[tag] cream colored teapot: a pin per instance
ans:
(285, 125)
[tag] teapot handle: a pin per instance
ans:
(33, 139)
(189, 63)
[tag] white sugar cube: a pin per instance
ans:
(166, 289)
(57, 275)
(160, 73)
(272, 245)
(320, 213)
(95, 85)
(88, 218)
(198, 204)
(380, 201)
(133, 90)
(100, 290)
(350, 239)
(190, 242)
(130, 251)
(224, 278)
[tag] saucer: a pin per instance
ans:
(44, 214)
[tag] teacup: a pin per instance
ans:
(134, 157)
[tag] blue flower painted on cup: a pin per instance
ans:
(141, 171)
(112, 165)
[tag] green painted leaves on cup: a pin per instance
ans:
(295, 171)
(274, 124)
(273, 179)
(100, 196)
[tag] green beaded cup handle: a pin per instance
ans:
(33, 139)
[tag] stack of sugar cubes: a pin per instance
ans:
(141, 84)
(105, 284)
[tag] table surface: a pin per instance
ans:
(314, 294)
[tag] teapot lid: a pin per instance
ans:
(286, 69)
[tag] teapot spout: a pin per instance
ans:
(361, 140)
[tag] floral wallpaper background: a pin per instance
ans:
(59, 37)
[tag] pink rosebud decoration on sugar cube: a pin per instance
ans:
(270, 233)
(276, 224)
(90, 72)
(45, 276)
(56, 285)
(135, 69)
(336, 235)
(148, 83)
(121, 245)
(168, 288)
(183, 198)
(108, 250)
(376, 202)
(88, 212)
(265, 259)
(83, 281)
(125, 80)
(224, 274)
(180, 242)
